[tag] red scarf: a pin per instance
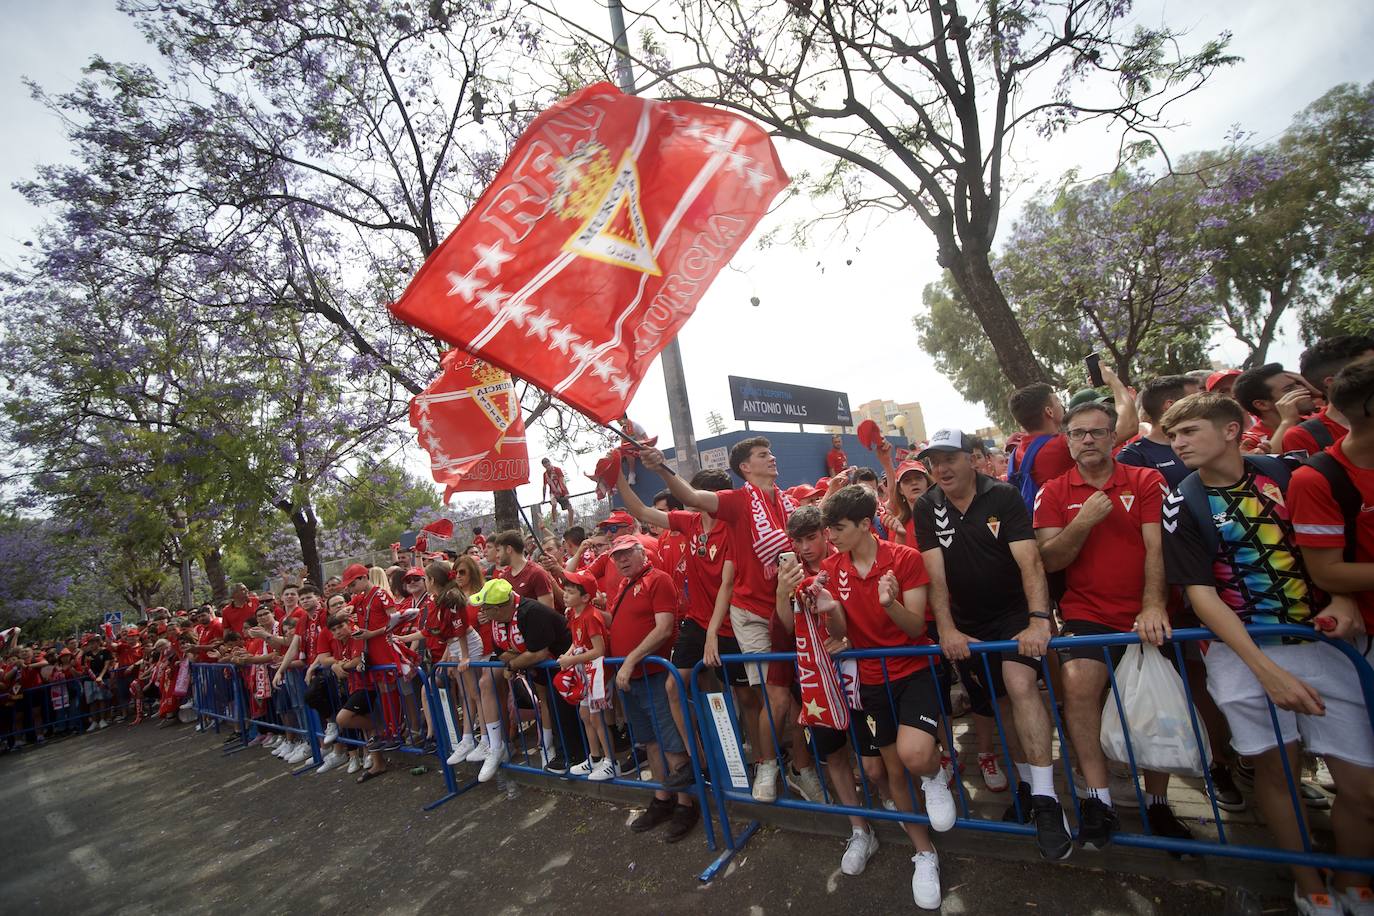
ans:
(822, 698)
(769, 518)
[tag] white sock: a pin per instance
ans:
(1102, 795)
(1042, 781)
(494, 735)
(548, 740)
(1025, 770)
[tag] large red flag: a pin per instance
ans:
(469, 421)
(595, 242)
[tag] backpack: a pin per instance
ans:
(1193, 494)
(1343, 491)
(1019, 475)
(1317, 430)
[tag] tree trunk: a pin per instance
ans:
(973, 274)
(507, 511)
(213, 564)
(1279, 299)
(307, 532)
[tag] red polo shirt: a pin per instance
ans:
(673, 548)
(234, 617)
(651, 594)
(1297, 439)
(1106, 580)
(374, 613)
(868, 623)
(1318, 522)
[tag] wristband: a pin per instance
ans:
(1040, 615)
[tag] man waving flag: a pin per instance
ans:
(595, 242)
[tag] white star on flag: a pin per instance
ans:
(602, 368)
(491, 257)
(539, 325)
(517, 312)
(755, 178)
(621, 386)
(584, 352)
(465, 285)
(694, 130)
(719, 143)
(563, 338)
(493, 300)
(738, 161)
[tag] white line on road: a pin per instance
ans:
(92, 864)
(259, 785)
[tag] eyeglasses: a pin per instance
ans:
(1078, 435)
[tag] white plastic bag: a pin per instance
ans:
(1156, 707)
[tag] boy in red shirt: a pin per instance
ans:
(359, 709)
(590, 636)
(1102, 524)
(881, 588)
(372, 608)
(556, 489)
(643, 613)
(1319, 364)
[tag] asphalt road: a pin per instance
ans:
(141, 820)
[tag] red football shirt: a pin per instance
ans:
(1052, 460)
(651, 594)
(1297, 439)
(1318, 521)
(673, 548)
(868, 623)
(836, 461)
(374, 612)
(1257, 434)
(1106, 580)
(234, 617)
(706, 553)
(584, 626)
(531, 582)
(210, 632)
(555, 483)
(755, 585)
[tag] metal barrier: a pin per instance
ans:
(218, 696)
(574, 748)
(50, 710)
(730, 780)
(277, 715)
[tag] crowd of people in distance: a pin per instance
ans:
(1223, 499)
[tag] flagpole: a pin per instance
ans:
(674, 378)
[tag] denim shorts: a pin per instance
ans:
(650, 717)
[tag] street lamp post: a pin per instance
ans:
(674, 378)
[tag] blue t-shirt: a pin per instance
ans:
(1143, 453)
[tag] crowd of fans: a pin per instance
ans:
(1221, 499)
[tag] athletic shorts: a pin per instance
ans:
(913, 700)
(361, 702)
(690, 649)
(752, 634)
(971, 671)
(1343, 733)
(1094, 653)
(563, 503)
(96, 693)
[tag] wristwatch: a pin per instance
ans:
(1041, 615)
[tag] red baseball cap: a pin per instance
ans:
(571, 684)
(1221, 375)
(414, 572)
(625, 542)
(585, 580)
(352, 572)
(804, 492)
(618, 517)
(911, 465)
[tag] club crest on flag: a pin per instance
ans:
(614, 230)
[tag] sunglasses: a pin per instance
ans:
(700, 540)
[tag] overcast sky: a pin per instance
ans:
(838, 314)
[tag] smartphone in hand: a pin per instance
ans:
(1094, 363)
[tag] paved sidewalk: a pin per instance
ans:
(159, 821)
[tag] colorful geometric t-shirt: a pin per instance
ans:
(1257, 568)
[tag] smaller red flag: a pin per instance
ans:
(469, 421)
(442, 529)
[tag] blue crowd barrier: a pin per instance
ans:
(52, 709)
(724, 761)
(218, 698)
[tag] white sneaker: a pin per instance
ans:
(272, 740)
(889, 804)
(460, 753)
(200, 726)
(1316, 904)
(479, 753)
(332, 761)
(583, 769)
(278, 747)
(105, 723)
(1358, 901)
(993, 777)
(806, 784)
(299, 755)
(355, 764)
(939, 802)
(604, 770)
(766, 781)
(495, 757)
(91, 728)
(925, 880)
(331, 734)
(860, 848)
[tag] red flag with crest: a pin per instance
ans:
(469, 421)
(596, 240)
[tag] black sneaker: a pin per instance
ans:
(679, 779)
(620, 739)
(557, 766)
(684, 818)
(1023, 795)
(1227, 795)
(659, 810)
(1051, 828)
(1164, 823)
(633, 761)
(391, 743)
(1097, 823)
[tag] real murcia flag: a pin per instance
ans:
(596, 240)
